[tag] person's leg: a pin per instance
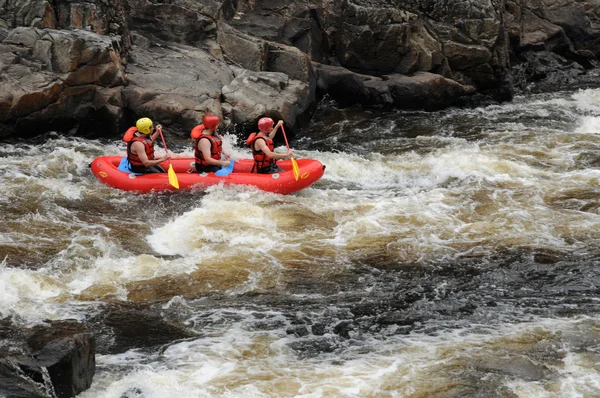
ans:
(207, 169)
(138, 169)
(155, 169)
(147, 170)
(271, 169)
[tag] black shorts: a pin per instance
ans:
(271, 169)
(207, 169)
(147, 170)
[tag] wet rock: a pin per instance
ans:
(368, 309)
(420, 90)
(17, 365)
(131, 326)
(398, 318)
(546, 70)
(414, 294)
(318, 329)
(56, 359)
(343, 328)
(134, 392)
(312, 347)
(67, 350)
(468, 308)
(519, 368)
(299, 331)
(15, 383)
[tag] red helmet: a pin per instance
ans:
(265, 124)
(211, 121)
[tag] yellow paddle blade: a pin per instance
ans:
(173, 177)
(295, 168)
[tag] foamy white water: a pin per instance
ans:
(421, 227)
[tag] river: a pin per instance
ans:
(443, 254)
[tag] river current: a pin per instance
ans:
(445, 254)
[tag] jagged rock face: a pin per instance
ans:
(461, 40)
(102, 17)
(63, 75)
(573, 21)
(470, 45)
(185, 22)
(552, 41)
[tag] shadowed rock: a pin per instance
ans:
(419, 90)
(57, 359)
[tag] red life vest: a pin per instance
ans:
(216, 147)
(197, 131)
(261, 160)
(134, 159)
(129, 134)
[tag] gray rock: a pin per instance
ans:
(51, 360)
(177, 60)
(420, 90)
(175, 84)
(56, 78)
(255, 94)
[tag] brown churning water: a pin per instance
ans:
(447, 254)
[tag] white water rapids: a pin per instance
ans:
(403, 193)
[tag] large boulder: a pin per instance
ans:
(419, 90)
(57, 79)
(176, 84)
(17, 364)
(67, 351)
(254, 94)
(48, 360)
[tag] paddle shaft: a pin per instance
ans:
(171, 173)
(285, 138)
(294, 164)
(164, 143)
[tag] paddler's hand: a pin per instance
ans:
(158, 127)
(280, 123)
(166, 157)
(225, 163)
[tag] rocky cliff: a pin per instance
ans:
(93, 66)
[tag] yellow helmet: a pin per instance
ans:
(144, 125)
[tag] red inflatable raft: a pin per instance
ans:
(106, 169)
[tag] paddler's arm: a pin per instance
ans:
(204, 146)
(262, 145)
(156, 133)
(274, 130)
(138, 148)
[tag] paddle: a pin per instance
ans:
(294, 164)
(224, 171)
(172, 176)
